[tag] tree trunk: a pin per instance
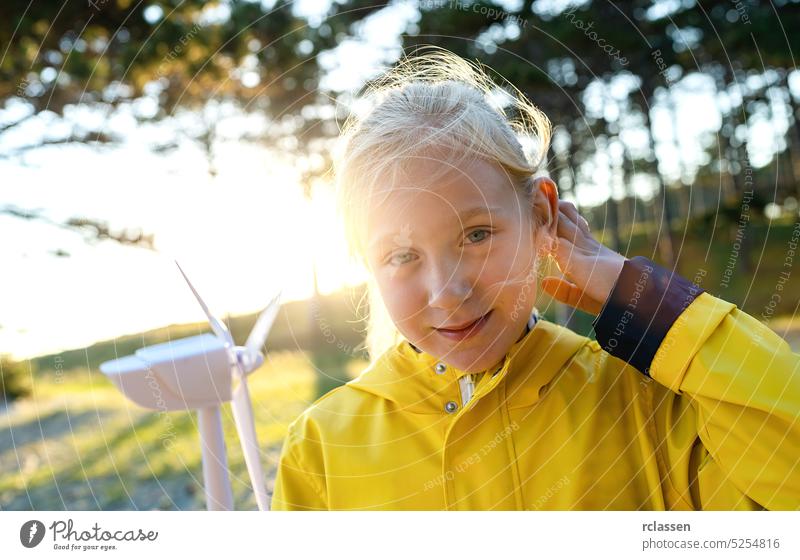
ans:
(664, 213)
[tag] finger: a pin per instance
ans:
(567, 228)
(569, 209)
(572, 213)
(584, 225)
(565, 251)
(571, 259)
(568, 293)
(560, 289)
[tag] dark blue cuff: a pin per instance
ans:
(644, 303)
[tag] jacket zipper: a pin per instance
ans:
(466, 384)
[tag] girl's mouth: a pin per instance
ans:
(466, 332)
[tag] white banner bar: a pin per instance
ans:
(400, 535)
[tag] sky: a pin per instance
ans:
(240, 236)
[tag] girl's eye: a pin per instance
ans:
(475, 236)
(478, 235)
(400, 258)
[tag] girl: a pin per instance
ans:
(471, 401)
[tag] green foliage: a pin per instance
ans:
(14, 378)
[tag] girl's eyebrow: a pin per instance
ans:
(463, 217)
(478, 211)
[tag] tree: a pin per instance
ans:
(13, 379)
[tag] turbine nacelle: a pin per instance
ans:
(184, 374)
(200, 373)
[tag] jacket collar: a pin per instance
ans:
(412, 380)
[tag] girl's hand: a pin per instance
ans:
(591, 268)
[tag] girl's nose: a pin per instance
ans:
(449, 287)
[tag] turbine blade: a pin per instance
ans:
(246, 428)
(257, 337)
(217, 326)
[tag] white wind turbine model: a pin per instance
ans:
(200, 373)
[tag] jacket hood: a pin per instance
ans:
(412, 381)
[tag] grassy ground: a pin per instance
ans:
(79, 445)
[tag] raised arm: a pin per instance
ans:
(737, 385)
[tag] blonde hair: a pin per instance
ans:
(434, 104)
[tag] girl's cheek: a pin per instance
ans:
(511, 277)
(402, 295)
(512, 264)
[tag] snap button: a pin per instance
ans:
(451, 407)
(441, 368)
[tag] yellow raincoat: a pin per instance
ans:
(699, 410)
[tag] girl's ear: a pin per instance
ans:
(545, 209)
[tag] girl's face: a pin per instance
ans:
(455, 260)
